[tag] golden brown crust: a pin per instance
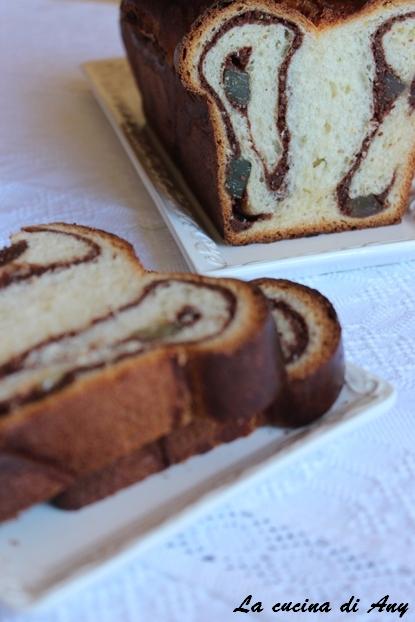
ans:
(124, 472)
(24, 482)
(200, 436)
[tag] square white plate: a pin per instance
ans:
(46, 552)
(203, 248)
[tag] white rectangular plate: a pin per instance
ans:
(46, 552)
(203, 248)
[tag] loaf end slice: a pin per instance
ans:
(311, 339)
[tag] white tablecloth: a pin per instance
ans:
(340, 523)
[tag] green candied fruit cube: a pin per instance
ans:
(362, 207)
(159, 331)
(237, 177)
(236, 84)
(393, 87)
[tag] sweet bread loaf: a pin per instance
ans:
(310, 337)
(287, 118)
(100, 357)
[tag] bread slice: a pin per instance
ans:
(310, 336)
(100, 357)
(302, 111)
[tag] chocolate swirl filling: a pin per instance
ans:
(237, 89)
(294, 340)
(13, 252)
(387, 88)
(21, 271)
(57, 362)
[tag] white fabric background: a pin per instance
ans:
(339, 523)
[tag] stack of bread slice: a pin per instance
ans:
(109, 372)
(310, 336)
